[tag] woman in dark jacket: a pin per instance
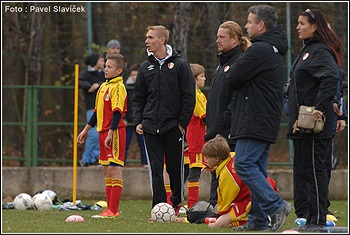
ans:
(90, 80)
(314, 77)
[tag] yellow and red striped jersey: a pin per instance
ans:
(111, 97)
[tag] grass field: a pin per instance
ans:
(134, 219)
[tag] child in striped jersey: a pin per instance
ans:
(110, 108)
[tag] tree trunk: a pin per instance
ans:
(181, 27)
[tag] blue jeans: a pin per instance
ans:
(130, 130)
(251, 157)
(92, 148)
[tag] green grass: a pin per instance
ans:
(134, 219)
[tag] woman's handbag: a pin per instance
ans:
(306, 123)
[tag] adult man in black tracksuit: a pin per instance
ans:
(231, 45)
(164, 100)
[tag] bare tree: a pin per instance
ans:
(181, 26)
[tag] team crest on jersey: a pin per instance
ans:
(171, 65)
(305, 56)
(106, 97)
(226, 68)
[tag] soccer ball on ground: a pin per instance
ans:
(51, 195)
(42, 202)
(163, 212)
(23, 201)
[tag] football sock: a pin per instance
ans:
(108, 182)
(193, 191)
(168, 193)
(116, 191)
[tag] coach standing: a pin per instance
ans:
(257, 79)
(163, 103)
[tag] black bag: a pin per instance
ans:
(199, 211)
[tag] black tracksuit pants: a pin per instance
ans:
(310, 179)
(168, 147)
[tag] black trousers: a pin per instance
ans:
(168, 147)
(311, 179)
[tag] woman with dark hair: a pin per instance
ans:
(313, 82)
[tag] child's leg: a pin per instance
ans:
(223, 221)
(193, 186)
(108, 182)
(239, 212)
(195, 165)
(116, 189)
(167, 185)
(108, 187)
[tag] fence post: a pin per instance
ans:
(28, 128)
(35, 126)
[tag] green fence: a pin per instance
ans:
(31, 126)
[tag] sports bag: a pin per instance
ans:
(200, 210)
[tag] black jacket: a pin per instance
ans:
(258, 79)
(129, 114)
(220, 95)
(164, 96)
(316, 75)
(86, 79)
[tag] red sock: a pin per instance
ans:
(193, 191)
(168, 193)
(116, 191)
(108, 182)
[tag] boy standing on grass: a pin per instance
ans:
(110, 108)
(195, 136)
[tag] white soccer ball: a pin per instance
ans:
(51, 195)
(163, 212)
(23, 201)
(42, 202)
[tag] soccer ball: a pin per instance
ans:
(42, 202)
(51, 195)
(23, 201)
(163, 212)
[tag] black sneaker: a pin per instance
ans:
(248, 227)
(279, 217)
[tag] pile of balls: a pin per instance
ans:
(40, 201)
